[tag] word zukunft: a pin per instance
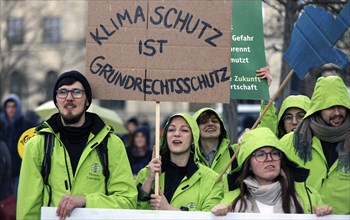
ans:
(166, 86)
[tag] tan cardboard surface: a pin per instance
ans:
(159, 50)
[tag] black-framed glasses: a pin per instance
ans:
(76, 93)
(288, 118)
(261, 156)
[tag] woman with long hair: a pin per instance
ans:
(268, 182)
(184, 184)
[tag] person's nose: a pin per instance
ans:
(294, 120)
(69, 96)
(269, 157)
(177, 132)
(336, 110)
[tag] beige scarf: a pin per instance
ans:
(267, 194)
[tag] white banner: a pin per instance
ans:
(84, 213)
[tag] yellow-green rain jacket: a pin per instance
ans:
(224, 153)
(197, 191)
(261, 137)
(88, 179)
(332, 183)
(275, 122)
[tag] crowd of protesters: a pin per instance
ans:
(296, 161)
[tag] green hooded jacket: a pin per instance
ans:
(269, 120)
(224, 152)
(197, 191)
(333, 184)
(275, 123)
(261, 137)
(88, 179)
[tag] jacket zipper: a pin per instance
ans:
(65, 160)
(308, 196)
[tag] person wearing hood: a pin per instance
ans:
(321, 143)
(77, 174)
(214, 149)
(15, 124)
(131, 125)
(184, 184)
(139, 152)
(292, 112)
(268, 181)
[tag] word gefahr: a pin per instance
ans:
(181, 85)
(242, 38)
(161, 16)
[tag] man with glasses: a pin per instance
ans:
(321, 143)
(76, 178)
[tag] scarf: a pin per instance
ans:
(267, 194)
(316, 126)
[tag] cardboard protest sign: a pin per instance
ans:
(159, 50)
(313, 38)
(247, 52)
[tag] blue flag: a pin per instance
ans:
(313, 38)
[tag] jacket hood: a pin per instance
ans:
(294, 101)
(253, 140)
(261, 137)
(191, 122)
(17, 100)
(145, 131)
(329, 91)
(223, 128)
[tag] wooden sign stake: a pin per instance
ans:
(290, 74)
(157, 147)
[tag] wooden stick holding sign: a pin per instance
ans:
(157, 147)
(312, 42)
(132, 54)
(290, 74)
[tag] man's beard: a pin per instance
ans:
(72, 119)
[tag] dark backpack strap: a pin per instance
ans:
(102, 151)
(46, 165)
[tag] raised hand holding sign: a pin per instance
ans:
(312, 42)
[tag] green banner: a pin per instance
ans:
(247, 52)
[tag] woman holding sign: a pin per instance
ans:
(184, 185)
(268, 182)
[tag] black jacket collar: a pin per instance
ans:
(191, 165)
(96, 121)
